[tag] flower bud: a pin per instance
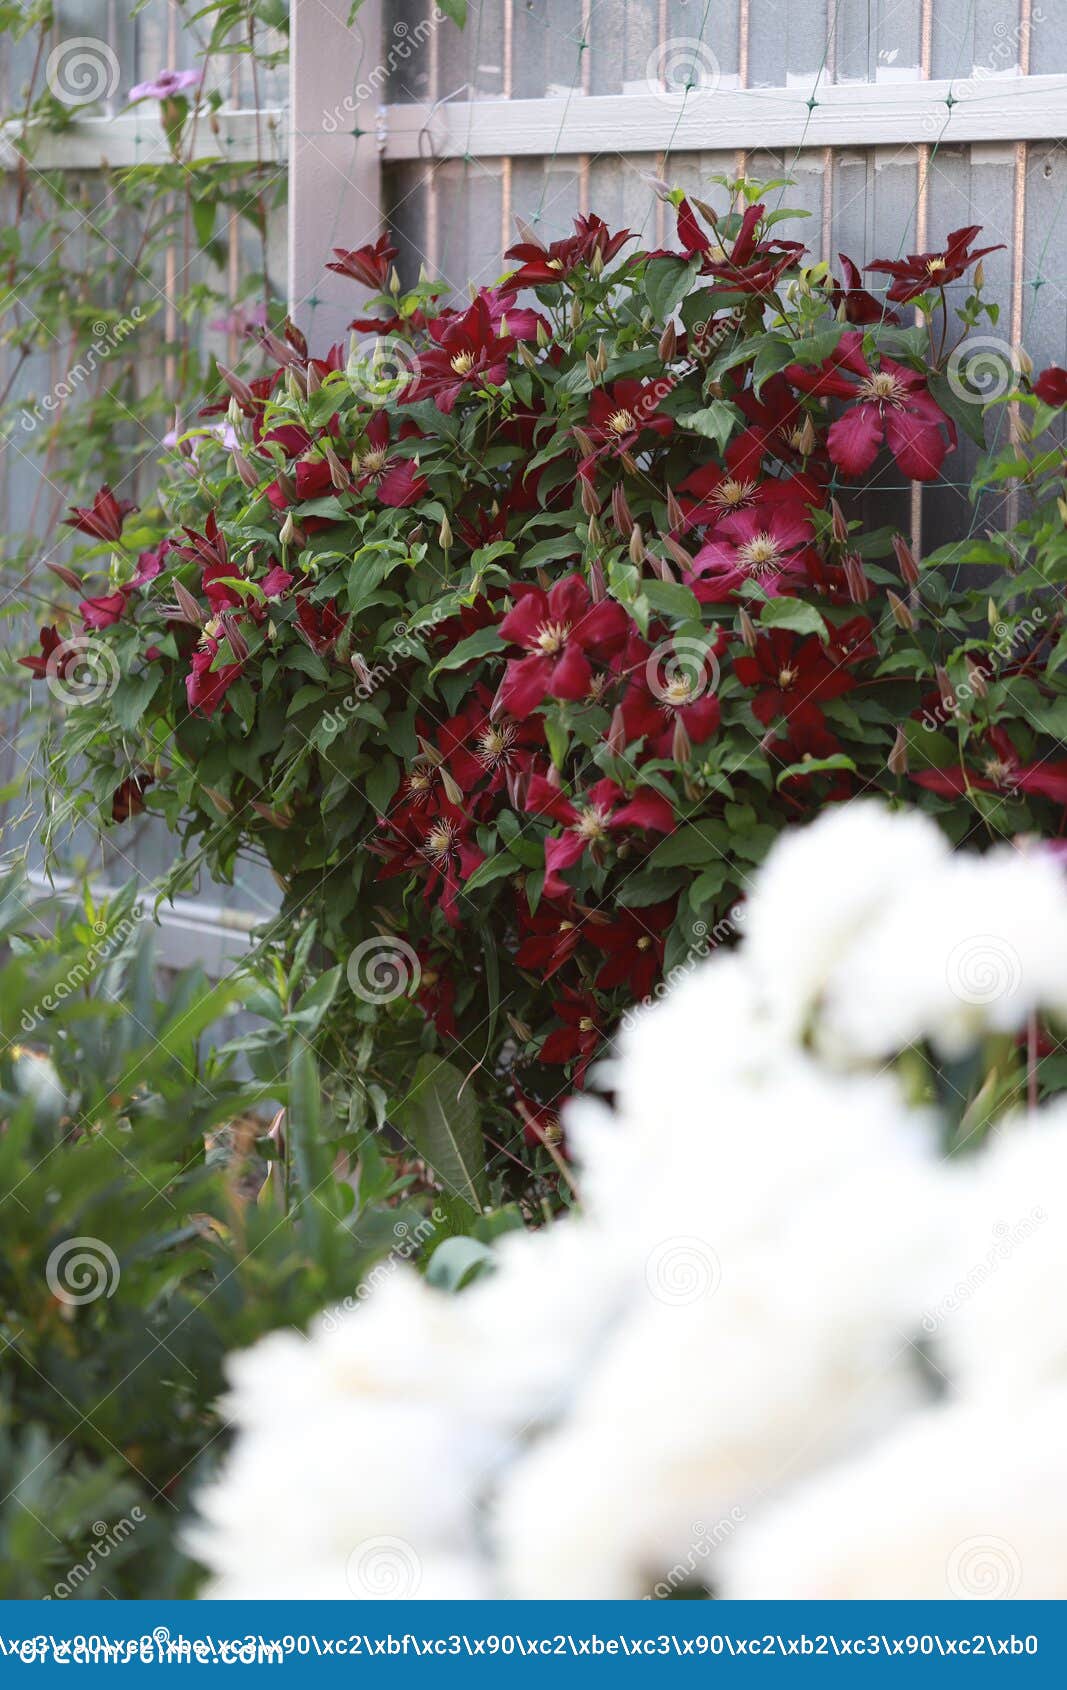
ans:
(590, 368)
(590, 502)
(598, 587)
(245, 471)
(681, 744)
(637, 544)
(859, 588)
(675, 513)
(748, 629)
(668, 343)
(945, 687)
(909, 569)
(339, 475)
(615, 738)
(838, 525)
(660, 567)
(312, 380)
(902, 616)
(444, 534)
(898, 756)
(677, 552)
(585, 443)
(240, 389)
(976, 676)
(601, 357)
(620, 510)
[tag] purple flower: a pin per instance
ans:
(166, 85)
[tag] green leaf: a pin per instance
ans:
(670, 598)
(966, 413)
(667, 281)
(716, 421)
(817, 765)
(443, 1127)
(132, 698)
(456, 10)
(696, 843)
(794, 614)
(475, 645)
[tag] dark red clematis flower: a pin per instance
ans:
(590, 822)
(561, 630)
(320, 623)
(540, 1121)
(751, 265)
(519, 321)
(634, 943)
(671, 706)
(808, 740)
(396, 481)
(104, 611)
(1051, 386)
(580, 1033)
(468, 355)
(620, 414)
(548, 266)
(860, 306)
(439, 848)
(205, 688)
(715, 490)
(551, 935)
(50, 662)
(891, 404)
(436, 993)
(921, 271)
(791, 675)
(150, 564)
(488, 754)
(767, 544)
(1003, 770)
(128, 797)
(103, 518)
(367, 264)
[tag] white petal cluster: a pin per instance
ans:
(785, 1348)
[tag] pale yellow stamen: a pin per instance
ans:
(591, 822)
(882, 386)
(463, 363)
(621, 422)
(786, 678)
(551, 637)
(759, 555)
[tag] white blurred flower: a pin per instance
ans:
(769, 1270)
(974, 946)
(964, 1501)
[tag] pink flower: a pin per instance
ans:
(166, 85)
(589, 823)
(559, 630)
(765, 544)
(891, 404)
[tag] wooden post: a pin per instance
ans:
(337, 88)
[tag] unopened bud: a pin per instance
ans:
(339, 475)
(240, 389)
(748, 629)
(675, 513)
(945, 687)
(543, 337)
(620, 510)
(67, 576)
(838, 525)
(976, 676)
(677, 552)
(668, 343)
(909, 569)
(898, 756)
(859, 588)
(444, 533)
(615, 738)
(590, 368)
(681, 744)
(585, 443)
(660, 567)
(806, 439)
(245, 471)
(295, 383)
(452, 788)
(190, 609)
(312, 380)
(601, 357)
(637, 544)
(598, 587)
(590, 502)
(526, 356)
(979, 276)
(902, 616)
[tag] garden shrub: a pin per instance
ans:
(142, 1237)
(514, 637)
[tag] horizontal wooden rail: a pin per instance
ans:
(90, 142)
(845, 114)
